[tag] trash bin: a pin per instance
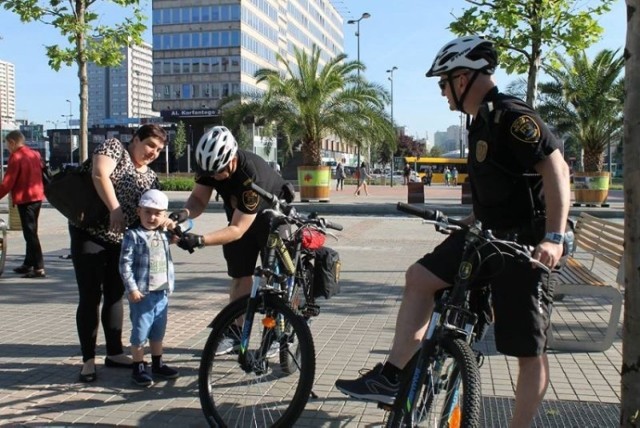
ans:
(14, 217)
(415, 193)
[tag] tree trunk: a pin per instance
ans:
(630, 383)
(311, 153)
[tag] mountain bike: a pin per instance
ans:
(440, 386)
(268, 378)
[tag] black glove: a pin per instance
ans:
(179, 216)
(190, 241)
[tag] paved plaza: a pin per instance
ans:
(40, 356)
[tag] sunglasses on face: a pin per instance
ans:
(443, 83)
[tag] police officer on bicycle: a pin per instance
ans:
(229, 171)
(520, 188)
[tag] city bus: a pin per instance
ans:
(437, 165)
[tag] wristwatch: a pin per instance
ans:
(555, 237)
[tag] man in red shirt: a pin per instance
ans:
(24, 180)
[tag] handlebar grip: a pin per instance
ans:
(424, 213)
(331, 225)
(260, 191)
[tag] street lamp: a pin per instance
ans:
(70, 134)
(390, 71)
(365, 15)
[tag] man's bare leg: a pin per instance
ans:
(533, 380)
(413, 315)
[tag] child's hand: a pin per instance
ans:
(135, 296)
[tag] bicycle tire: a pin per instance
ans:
(453, 377)
(231, 396)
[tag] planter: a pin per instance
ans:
(591, 188)
(314, 183)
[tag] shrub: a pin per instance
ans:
(177, 183)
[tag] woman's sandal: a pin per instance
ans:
(87, 378)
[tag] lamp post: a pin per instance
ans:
(70, 134)
(365, 15)
(390, 71)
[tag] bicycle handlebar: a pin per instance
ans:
(281, 205)
(443, 222)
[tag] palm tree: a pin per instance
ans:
(584, 101)
(311, 103)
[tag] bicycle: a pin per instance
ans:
(268, 378)
(440, 386)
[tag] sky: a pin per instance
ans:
(406, 34)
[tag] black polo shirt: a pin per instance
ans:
(236, 190)
(507, 139)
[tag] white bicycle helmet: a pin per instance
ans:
(468, 52)
(215, 149)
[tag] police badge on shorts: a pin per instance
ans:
(526, 129)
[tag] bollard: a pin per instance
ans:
(14, 216)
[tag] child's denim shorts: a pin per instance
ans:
(149, 318)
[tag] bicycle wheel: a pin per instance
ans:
(261, 393)
(450, 393)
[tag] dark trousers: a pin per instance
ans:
(97, 273)
(29, 214)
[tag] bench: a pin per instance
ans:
(596, 239)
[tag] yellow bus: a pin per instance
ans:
(437, 166)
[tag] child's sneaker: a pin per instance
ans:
(140, 376)
(165, 371)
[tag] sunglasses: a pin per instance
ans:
(443, 83)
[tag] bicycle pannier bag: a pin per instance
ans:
(72, 192)
(326, 274)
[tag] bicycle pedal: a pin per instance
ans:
(311, 310)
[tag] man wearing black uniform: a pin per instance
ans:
(512, 158)
(229, 171)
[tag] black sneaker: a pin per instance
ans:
(165, 371)
(141, 377)
(370, 386)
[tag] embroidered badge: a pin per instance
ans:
(525, 129)
(481, 150)
(250, 199)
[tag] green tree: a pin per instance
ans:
(310, 103)
(584, 101)
(244, 138)
(435, 152)
(630, 371)
(180, 141)
(88, 39)
(524, 29)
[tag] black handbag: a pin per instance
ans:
(72, 192)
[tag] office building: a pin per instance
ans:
(122, 95)
(7, 97)
(204, 51)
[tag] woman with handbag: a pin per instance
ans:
(120, 175)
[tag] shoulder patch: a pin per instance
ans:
(250, 199)
(525, 129)
(482, 148)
